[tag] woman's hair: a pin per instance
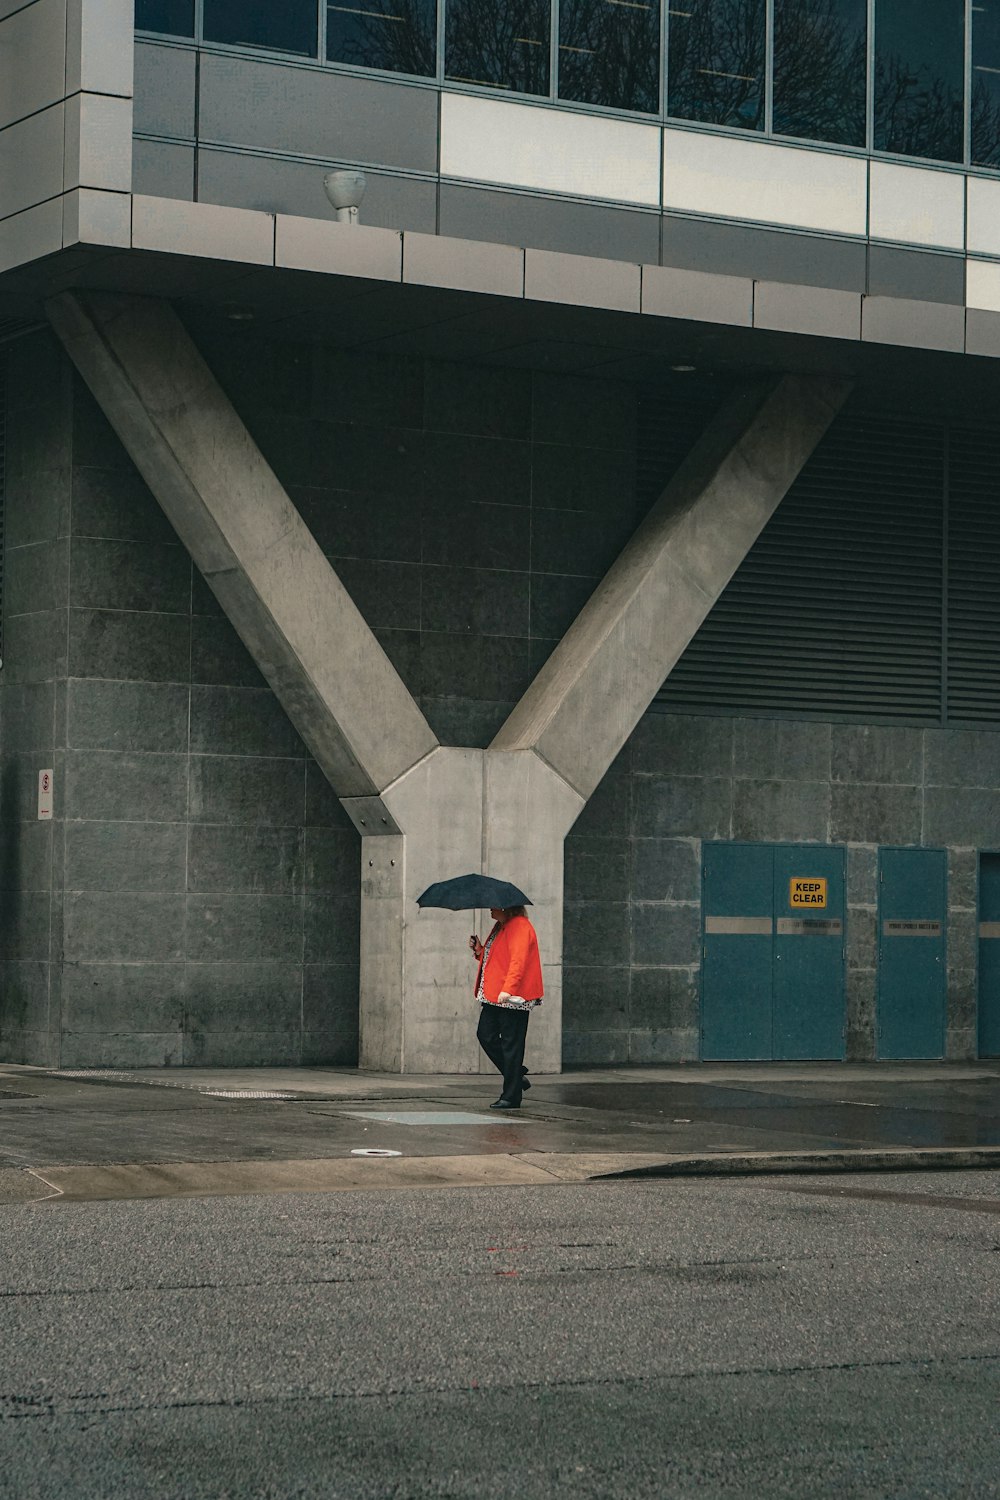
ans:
(513, 911)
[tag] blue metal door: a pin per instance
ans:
(808, 1012)
(989, 955)
(912, 975)
(737, 893)
(773, 951)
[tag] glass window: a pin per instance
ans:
(399, 36)
(986, 83)
(501, 43)
(291, 26)
(175, 17)
(609, 53)
(820, 72)
(920, 77)
(715, 61)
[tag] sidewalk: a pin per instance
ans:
(79, 1135)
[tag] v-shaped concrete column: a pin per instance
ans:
(507, 813)
(508, 809)
(426, 812)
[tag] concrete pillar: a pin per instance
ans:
(463, 810)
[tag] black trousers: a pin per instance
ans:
(502, 1035)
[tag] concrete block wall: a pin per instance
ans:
(38, 472)
(195, 899)
(633, 863)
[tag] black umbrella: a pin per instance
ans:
(466, 892)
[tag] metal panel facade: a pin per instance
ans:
(773, 955)
(912, 974)
(989, 955)
(737, 953)
(808, 996)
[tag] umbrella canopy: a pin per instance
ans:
(465, 892)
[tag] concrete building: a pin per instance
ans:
(613, 508)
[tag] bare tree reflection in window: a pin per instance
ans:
(398, 36)
(609, 53)
(502, 44)
(986, 83)
(820, 70)
(920, 78)
(715, 67)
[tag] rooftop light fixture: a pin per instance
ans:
(345, 189)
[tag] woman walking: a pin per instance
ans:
(508, 987)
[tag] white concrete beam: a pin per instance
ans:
(298, 621)
(605, 672)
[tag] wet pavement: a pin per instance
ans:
(581, 1124)
(952, 1113)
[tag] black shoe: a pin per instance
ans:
(503, 1104)
(524, 1079)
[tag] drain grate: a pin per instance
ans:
(424, 1117)
(118, 1075)
(242, 1094)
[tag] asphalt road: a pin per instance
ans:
(743, 1337)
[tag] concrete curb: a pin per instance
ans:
(149, 1180)
(141, 1180)
(885, 1159)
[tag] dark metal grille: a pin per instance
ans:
(873, 591)
(973, 646)
(3, 473)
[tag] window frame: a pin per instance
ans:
(551, 99)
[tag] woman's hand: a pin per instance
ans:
(475, 946)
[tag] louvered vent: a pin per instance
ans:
(973, 655)
(15, 328)
(837, 609)
(3, 486)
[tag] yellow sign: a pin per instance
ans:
(805, 892)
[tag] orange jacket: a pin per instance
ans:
(514, 966)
